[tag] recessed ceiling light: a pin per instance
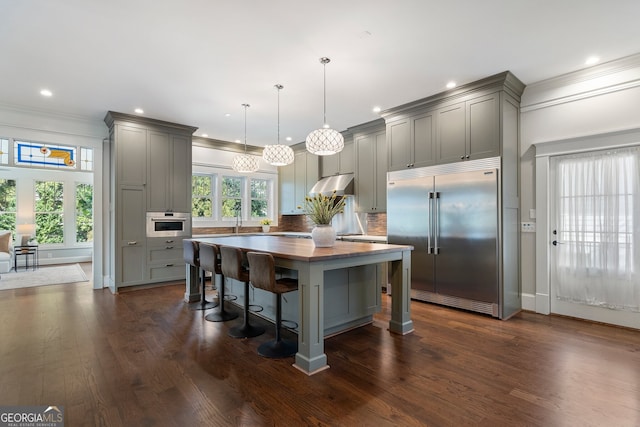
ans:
(227, 115)
(139, 110)
(592, 60)
(204, 135)
(377, 109)
(46, 92)
(288, 138)
(451, 85)
(238, 141)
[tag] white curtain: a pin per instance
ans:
(598, 228)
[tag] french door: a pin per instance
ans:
(595, 224)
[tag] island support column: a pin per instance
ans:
(192, 291)
(310, 357)
(401, 322)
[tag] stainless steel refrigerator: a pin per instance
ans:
(450, 214)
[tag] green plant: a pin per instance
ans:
(321, 209)
(265, 221)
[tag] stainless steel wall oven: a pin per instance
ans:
(168, 224)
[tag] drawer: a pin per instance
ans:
(165, 253)
(168, 271)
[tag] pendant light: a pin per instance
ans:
(278, 154)
(325, 141)
(245, 163)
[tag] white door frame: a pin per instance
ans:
(545, 150)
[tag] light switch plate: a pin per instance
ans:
(528, 227)
(532, 213)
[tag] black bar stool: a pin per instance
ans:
(210, 261)
(192, 257)
(231, 265)
(262, 273)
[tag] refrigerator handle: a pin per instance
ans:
(430, 224)
(436, 230)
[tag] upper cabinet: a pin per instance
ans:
(410, 141)
(296, 180)
(340, 163)
(371, 167)
(169, 178)
(458, 125)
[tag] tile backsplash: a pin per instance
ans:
(376, 225)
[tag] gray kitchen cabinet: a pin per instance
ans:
(451, 133)
(131, 235)
(150, 170)
(483, 127)
(371, 171)
(165, 260)
(469, 130)
(169, 174)
(295, 181)
(340, 163)
(410, 141)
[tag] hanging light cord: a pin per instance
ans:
(324, 61)
(279, 86)
(245, 127)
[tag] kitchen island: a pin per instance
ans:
(311, 263)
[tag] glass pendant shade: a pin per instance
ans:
(244, 163)
(325, 142)
(278, 155)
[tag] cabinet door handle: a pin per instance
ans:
(131, 243)
(168, 265)
(467, 156)
(168, 247)
(168, 241)
(461, 157)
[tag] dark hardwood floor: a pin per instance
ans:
(142, 358)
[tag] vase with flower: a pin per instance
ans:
(266, 225)
(321, 209)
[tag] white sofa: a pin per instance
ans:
(6, 252)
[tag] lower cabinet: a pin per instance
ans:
(165, 259)
(351, 297)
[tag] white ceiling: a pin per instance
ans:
(193, 61)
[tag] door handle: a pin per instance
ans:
(556, 243)
(436, 249)
(430, 224)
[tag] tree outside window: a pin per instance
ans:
(259, 198)
(202, 196)
(84, 213)
(8, 205)
(49, 212)
(231, 196)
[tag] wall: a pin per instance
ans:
(570, 108)
(41, 126)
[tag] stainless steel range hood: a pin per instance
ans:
(341, 184)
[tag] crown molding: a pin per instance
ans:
(613, 76)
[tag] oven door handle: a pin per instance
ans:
(169, 219)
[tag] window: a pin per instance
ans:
(231, 196)
(259, 198)
(49, 212)
(4, 151)
(86, 159)
(8, 205)
(44, 155)
(84, 213)
(202, 196)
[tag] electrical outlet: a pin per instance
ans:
(528, 227)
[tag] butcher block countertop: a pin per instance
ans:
(302, 249)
